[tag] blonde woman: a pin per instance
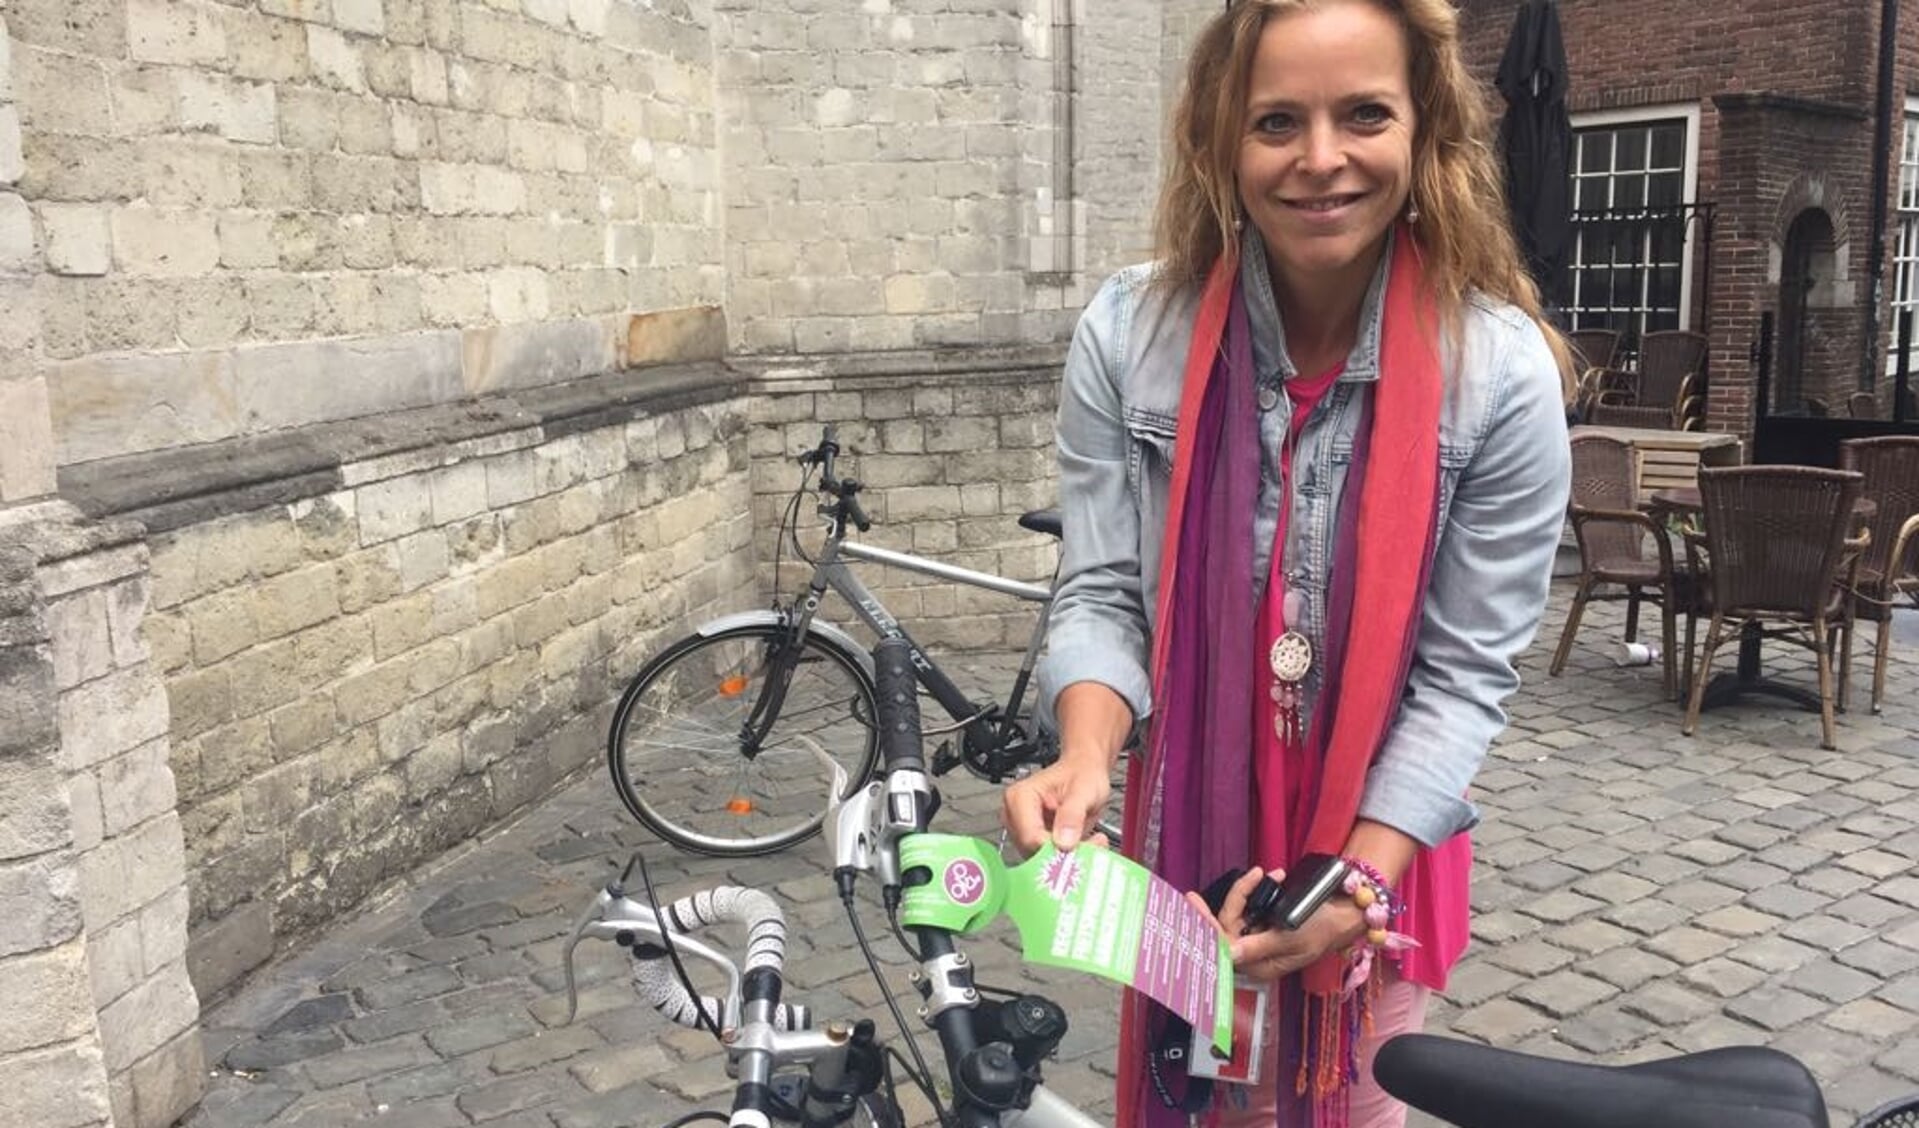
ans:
(1313, 469)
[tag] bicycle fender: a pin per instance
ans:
(826, 631)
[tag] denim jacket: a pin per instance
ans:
(1504, 479)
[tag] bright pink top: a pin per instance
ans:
(1434, 889)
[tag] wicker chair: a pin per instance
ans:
(1613, 552)
(1887, 569)
(1665, 392)
(1777, 541)
(1862, 405)
(1594, 356)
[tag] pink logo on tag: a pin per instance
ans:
(965, 881)
(1060, 875)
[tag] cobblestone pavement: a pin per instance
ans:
(1639, 893)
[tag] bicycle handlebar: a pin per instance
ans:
(844, 490)
(613, 916)
(897, 707)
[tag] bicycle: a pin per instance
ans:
(705, 746)
(1476, 1086)
(994, 1048)
(787, 1070)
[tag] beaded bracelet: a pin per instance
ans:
(1373, 894)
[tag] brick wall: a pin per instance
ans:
(1785, 92)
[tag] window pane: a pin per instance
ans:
(1626, 284)
(1663, 293)
(1669, 146)
(1664, 189)
(1668, 241)
(1629, 193)
(1625, 244)
(1592, 194)
(1595, 151)
(1631, 152)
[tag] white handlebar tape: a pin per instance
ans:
(661, 988)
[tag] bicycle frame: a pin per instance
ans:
(831, 572)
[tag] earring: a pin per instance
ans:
(1412, 209)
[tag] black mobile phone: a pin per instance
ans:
(1288, 903)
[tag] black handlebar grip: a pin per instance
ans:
(898, 707)
(829, 451)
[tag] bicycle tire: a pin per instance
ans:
(1902, 1113)
(668, 746)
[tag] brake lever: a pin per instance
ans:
(629, 932)
(850, 824)
(587, 918)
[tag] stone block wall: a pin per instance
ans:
(949, 460)
(52, 1069)
(912, 174)
(93, 896)
(367, 675)
(26, 432)
(247, 217)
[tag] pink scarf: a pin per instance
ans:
(1189, 812)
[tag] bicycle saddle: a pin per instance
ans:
(1475, 1086)
(1041, 521)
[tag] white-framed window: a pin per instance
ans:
(1635, 219)
(1905, 255)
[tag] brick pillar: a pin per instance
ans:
(1740, 288)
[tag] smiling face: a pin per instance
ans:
(1326, 161)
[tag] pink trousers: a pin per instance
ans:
(1400, 1009)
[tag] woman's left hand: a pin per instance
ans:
(1270, 953)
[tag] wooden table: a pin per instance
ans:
(1670, 459)
(1686, 501)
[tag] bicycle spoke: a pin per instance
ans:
(678, 749)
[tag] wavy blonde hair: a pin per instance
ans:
(1462, 230)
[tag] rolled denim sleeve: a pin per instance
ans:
(1098, 630)
(1490, 576)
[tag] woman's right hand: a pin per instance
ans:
(1059, 801)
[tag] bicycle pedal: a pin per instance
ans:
(945, 758)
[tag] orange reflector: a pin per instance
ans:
(739, 806)
(733, 686)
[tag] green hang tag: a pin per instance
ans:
(1091, 910)
(967, 888)
(1098, 911)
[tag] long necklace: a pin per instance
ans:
(1290, 657)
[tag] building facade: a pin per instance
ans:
(1726, 162)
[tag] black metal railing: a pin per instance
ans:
(1627, 270)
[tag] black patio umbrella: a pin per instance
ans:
(1536, 138)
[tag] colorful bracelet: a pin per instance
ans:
(1370, 891)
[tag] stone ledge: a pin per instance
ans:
(1753, 101)
(791, 373)
(170, 489)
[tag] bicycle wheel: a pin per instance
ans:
(676, 753)
(1902, 1113)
